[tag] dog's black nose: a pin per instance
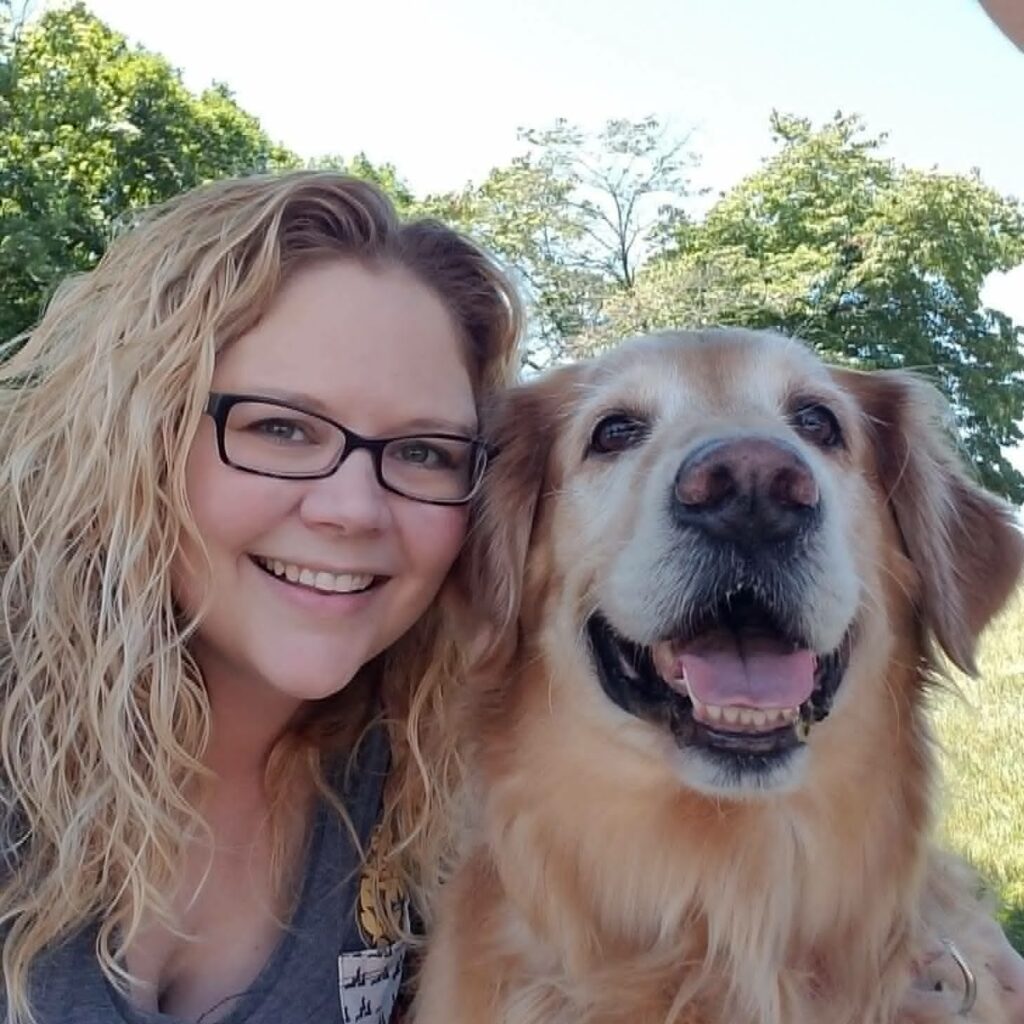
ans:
(746, 490)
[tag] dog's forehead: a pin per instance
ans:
(714, 370)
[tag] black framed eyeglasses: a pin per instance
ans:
(273, 438)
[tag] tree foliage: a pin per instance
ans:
(875, 264)
(575, 215)
(385, 176)
(91, 129)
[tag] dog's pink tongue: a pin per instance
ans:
(763, 674)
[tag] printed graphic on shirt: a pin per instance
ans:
(368, 983)
(379, 887)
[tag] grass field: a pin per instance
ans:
(983, 739)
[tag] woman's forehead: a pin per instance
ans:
(346, 338)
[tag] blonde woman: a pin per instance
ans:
(235, 462)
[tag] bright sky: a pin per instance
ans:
(439, 87)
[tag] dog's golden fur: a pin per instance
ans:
(606, 883)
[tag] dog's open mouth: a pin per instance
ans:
(735, 681)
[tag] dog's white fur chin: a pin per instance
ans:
(705, 774)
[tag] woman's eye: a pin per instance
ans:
(423, 454)
(616, 433)
(284, 430)
(818, 424)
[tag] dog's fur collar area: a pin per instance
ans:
(614, 871)
(604, 887)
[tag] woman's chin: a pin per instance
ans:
(313, 685)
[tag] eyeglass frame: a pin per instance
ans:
(219, 405)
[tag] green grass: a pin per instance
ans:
(983, 741)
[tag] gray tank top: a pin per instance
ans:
(324, 969)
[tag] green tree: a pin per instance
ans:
(385, 176)
(90, 129)
(621, 186)
(575, 215)
(875, 264)
(520, 213)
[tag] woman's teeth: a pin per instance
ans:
(317, 579)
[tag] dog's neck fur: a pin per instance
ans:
(738, 886)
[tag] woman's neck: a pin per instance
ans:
(247, 718)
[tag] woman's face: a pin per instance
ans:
(374, 350)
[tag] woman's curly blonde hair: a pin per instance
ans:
(103, 715)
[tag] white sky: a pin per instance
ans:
(439, 87)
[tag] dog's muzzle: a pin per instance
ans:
(718, 699)
(748, 493)
(733, 673)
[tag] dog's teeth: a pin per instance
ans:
(752, 719)
(744, 718)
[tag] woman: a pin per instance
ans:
(235, 461)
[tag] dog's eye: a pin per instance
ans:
(616, 433)
(819, 425)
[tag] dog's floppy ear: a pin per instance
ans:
(963, 542)
(520, 426)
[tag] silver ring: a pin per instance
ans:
(970, 982)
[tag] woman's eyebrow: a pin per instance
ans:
(299, 398)
(428, 424)
(436, 424)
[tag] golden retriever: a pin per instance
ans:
(706, 771)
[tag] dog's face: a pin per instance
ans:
(709, 535)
